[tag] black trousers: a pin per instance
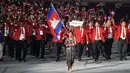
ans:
(16, 49)
(40, 44)
(128, 49)
(97, 46)
(32, 45)
(90, 49)
(42, 48)
(21, 46)
(6, 45)
(108, 46)
(122, 46)
(11, 47)
(80, 48)
(57, 47)
(37, 48)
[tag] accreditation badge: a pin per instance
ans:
(41, 32)
(110, 36)
(58, 37)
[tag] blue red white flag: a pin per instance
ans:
(54, 22)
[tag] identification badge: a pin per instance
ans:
(34, 32)
(14, 33)
(110, 36)
(22, 36)
(41, 32)
(7, 32)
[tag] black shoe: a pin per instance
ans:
(12, 57)
(24, 60)
(128, 53)
(16, 58)
(96, 60)
(37, 56)
(20, 60)
(1, 60)
(89, 55)
(93, 57)
(121, 58)
(106, 58)
(42, 57)
(125, 58)
(33, 54)
(57, 60)
(109, 57)
(79, 59)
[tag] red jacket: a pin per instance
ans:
(39, 29)
(83, 15)
(129, 35)
(102, 33)
(89, 34)
(11, 30)
(108, 31)
(80, 38)
(27, 32)
(118, 33)
(18, 32)
(31, 27)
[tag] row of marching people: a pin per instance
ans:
(99, 37)
(19, 34)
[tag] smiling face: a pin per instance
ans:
(97, 24)
(123, 23)
(21, 24)
(109, 23)
(90, 24)
(70, 34)
(83, 9)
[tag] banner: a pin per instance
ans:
(76, 23)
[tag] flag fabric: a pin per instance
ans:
(112, 13)
(92, 9)
(98, 5)
(105, 17)
(54, 22)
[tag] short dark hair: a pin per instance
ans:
(97, 21)
(122, 21)
(70, 32)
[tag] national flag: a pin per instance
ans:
(98, 5)
(54, 22)
(105, 17)
(112, 13)
(92, 9)
(109, 17)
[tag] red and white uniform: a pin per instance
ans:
(123, 33)
(79, 35)
(98, 34)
